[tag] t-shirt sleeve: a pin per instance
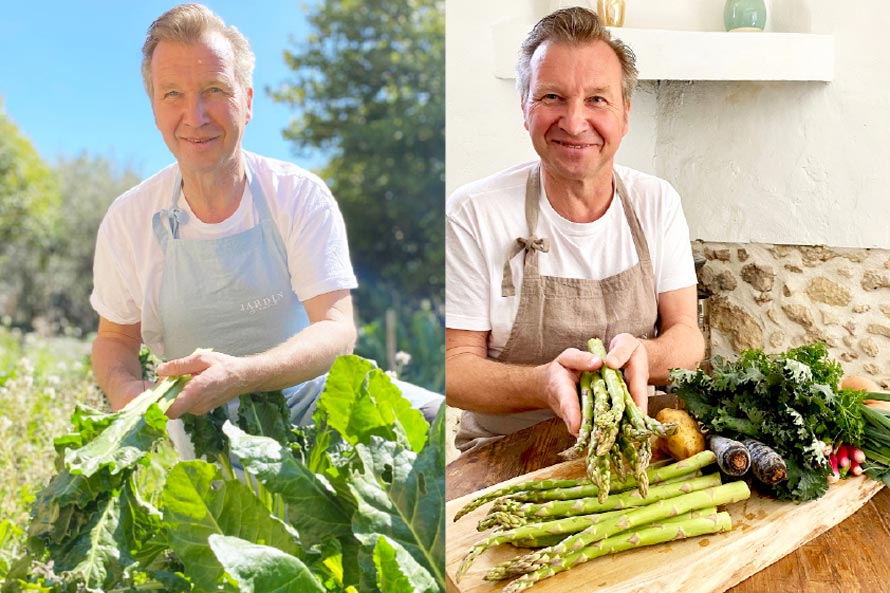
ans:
(114, 280)
(467, 279)
(677, 269)
(318, 249)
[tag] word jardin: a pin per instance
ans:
(330, 507)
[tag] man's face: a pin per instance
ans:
(199, 108)
(574, 112)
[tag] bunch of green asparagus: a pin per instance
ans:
(614, 432)
(569, 523)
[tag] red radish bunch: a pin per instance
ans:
(844, 461)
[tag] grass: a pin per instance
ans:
(41, 381)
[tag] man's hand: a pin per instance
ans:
(216, 379)
(629, 353)
(560, 384)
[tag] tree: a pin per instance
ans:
(369, 89)
(49, 218)
(29, 208)
(88, 185)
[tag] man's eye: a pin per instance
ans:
(550, 98)
(597, 99)
(171, 94)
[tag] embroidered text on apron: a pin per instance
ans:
(231, 294)
(558, 313)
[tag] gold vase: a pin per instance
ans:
(611, 12)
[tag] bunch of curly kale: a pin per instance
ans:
(790, 401)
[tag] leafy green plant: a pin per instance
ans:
(789, 401)
(331, 507)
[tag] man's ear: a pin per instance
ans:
(249, 105)
(524, 113)
(626, 117)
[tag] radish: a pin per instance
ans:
(835, 474)
(843, 456)
(858, 455)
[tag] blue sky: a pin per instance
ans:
(70, 76)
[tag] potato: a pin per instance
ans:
(687, 441)
(859, 384)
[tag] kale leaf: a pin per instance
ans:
(789, 401)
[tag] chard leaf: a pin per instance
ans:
(262, 569)
(398, 572)
(402, 495)
(361, 402)
(86, 424)
(142, 531)
(197, 506)
(94, 556)
(127, 438)
(205, 432)
(265, 414)
(279, 472)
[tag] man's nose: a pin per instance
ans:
(574, 117)
(196, 111)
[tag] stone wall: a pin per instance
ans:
(775, 297)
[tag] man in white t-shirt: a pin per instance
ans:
(543, 256)
(225, 249)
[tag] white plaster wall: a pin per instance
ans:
(804, 163)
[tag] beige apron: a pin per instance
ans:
(559, 313)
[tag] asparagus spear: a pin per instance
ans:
(662, 509)
(505, 520)
(519, 487)
(647, 536)
(557, 527)
(656, 474)
(660, 474)
(577, 449)
(585, 506)
(553, 539)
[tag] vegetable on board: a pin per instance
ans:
(789, 401)
(733, 457)
(766, 465)
(687, 441)
(615, 433)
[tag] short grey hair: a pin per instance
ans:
(574, 26)
(188, 23)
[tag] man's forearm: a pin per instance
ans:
(117, 370)
(484, 385)
(680, 346)
(305, 356)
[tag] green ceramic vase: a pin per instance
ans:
(744, 15)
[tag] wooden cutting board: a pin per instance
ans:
(764, 530)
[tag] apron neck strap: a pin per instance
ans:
(166, 223)
(636, 229)
(531, 244)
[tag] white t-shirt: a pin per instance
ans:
(484, 219)
(129, 262)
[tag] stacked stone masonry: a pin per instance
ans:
(775, 297)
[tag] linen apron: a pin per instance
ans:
(558, 313)
(231, 294)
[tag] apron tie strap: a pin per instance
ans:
(528, 245)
